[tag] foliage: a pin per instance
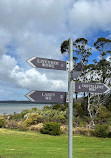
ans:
(101, 131)
(103, 67)
(103, 116)
(2, 121)
(64, 46)
(80, 108)
(82, 50)
(23, 113)
(59, 107)
(11, 124)
(108, 103)
(45, 115)
(81, 122)
(103, 45)
(64, 129)
(51, 128)
(83, 131)
(33, 118)
(36, 127)
(21, 126)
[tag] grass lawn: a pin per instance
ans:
(16, 144)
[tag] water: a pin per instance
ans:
(10, 108)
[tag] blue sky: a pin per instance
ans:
(31, 28)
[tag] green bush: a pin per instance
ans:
(104, 116)
(50, 115)
(33, 118)
(2, 121)
(51, 128)
(101, 131)
(58, 107)
(23, 113)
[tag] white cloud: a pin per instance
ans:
(32, 78)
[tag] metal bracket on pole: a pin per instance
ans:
(67, 97)
(67, 65)
(73, 88)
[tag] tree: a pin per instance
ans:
(65, 47)
(81, 49)
(103, 67)
(100, 71)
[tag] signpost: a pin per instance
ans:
(48, 63)
(45, 97)
(98, 88)
(60, 97)
(70, 107)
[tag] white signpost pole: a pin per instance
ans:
(70, 94)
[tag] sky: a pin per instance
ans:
(33, 28)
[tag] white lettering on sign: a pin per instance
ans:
(48, 96)
(47, 63)
(92, 87)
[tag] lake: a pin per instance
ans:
(10, 108)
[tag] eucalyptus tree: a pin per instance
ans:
(82, 51)
(102, 70)
(103, 67)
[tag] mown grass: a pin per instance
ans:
(16, 144)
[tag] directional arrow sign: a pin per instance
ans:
(77, 70)
(47, 63)
(91, 87)
(47, 96)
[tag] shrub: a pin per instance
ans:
(2, 121)
(36, 127)
(58, 107)
(32, 119)
(103, 116)
(12, 124)
(64, 129)
(83, 131)
(50, 115)
(51, 128)
(23, 113)
(101, 131)
(22, 126)
(16, 116)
